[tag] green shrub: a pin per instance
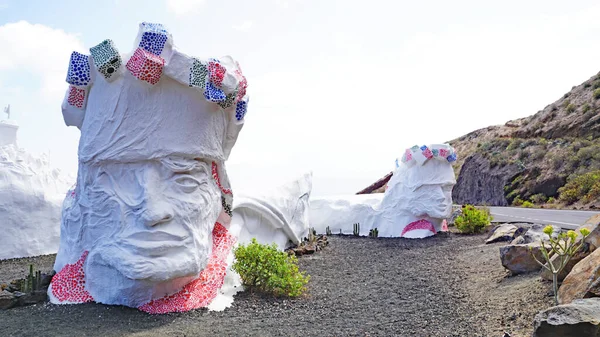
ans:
(551, 200)
(586, 107)
(267, 269)
(517, 201)
(597, 93)
(570, 108)
(527, 204)
(585, 187)
(472, 220)
(539, 198)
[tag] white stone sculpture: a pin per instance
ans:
(147, 224)
(279, 215)
(31, 194)
(415, 204)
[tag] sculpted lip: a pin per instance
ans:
(155, 236)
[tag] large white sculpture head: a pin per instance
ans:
(149, 213)
(420, 190)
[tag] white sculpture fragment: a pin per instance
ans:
(147, 224)
(278, 215)
(415, 204)
(31, 194)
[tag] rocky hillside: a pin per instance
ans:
(550, 157)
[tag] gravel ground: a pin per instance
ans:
(448, 285)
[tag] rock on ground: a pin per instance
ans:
(582, 281)
(577, 319)
(505, 232)
(518, 259)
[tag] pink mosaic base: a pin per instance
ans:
(76, 97)
(146, 66)
(200, 292)
(419, 224)
(215, 175)
(69, 284)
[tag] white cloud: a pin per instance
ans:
(39, 50)
(244, 26)
(285, 3)
(184, 7)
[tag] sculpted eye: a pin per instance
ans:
(187, 183)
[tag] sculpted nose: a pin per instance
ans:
(156, 210)
(153, 217)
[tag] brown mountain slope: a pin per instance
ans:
(532, 158)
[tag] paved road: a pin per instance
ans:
(563, 218)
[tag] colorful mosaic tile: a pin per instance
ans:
(106, 58)
(243, 85)
(452, 158)
(217, 73)
(68, 285)
(213, 93)
(154, 28)
(427, 152)
(240, 110)
(200, 292)
(146, 66)
(153, 42)
(226, 206)
(229, 100)
(198, 74)
(79, 70)
(215, 174)
(76, 97)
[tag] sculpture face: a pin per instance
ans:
(159, 215)
(420, 191)
(148, 218)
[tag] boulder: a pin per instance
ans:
(518, 258)
(535, 233)
(591, 243)
(582, 281)
(505, 232)
(7, 300)
(577, 319)
(455, 214)
(593, 225)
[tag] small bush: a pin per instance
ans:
(472, 220)
(597, 93)
(267, 269)
(551, 200)
(585, 187)
(527, 204)
(570, 108)
(539, 198)
(586, 107)
(517, 201)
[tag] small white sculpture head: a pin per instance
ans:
(156, 129)
(421, 187)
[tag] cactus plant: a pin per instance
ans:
(32, 282)
(374, 232)
(356, 230)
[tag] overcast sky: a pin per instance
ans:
(337, 87)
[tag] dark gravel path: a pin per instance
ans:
(448, 285)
